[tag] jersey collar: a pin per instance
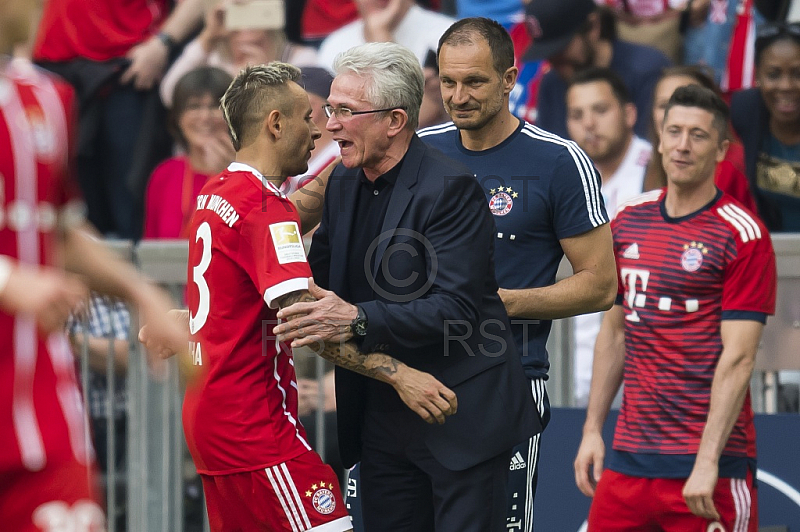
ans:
(241, 167)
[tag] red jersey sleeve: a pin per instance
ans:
(279, 258)
(750, 279)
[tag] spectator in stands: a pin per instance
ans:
(575, 35)
(432, 111)
(232, 50)
(400, 21)
(600, 118)
(729, 175)
(114, 53)
(320, 18)
(657, 23)
(199, 129)
(708, 42)
(505, 12)
(767, 119)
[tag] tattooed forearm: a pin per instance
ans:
(374, 365)
(300, 296)
(345, 354)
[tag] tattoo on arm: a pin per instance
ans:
(299, 296)
(377, 366)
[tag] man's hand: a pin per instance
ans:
(698, 492)
(588, 463)
(214, 28)
(217, 151)
(381, 23)
(422, 393)
(167, 337)
(47, 294)
(325, 320)
(148, 61)
(166, 342)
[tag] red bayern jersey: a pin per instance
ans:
(41, 413)
(96, 30)
(678, 277)
(245, 251)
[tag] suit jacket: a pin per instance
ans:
(435, 306)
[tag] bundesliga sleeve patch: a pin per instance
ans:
(288, 242)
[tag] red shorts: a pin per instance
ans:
(59, 497)
(298, 495)
(624, 503)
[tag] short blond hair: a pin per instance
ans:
(255, 92)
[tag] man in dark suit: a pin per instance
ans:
(406, 249)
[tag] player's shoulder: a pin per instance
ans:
(438, 133)
(545, 145)
(745, 226)
(440, 172)
(641, 202)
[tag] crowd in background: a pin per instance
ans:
(148, 77)
(151, 132)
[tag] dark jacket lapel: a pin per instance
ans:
(401, 196)
(344, 210)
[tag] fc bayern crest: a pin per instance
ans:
(323, 499)
(502, 200)
(692, 258)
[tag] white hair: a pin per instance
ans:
(393, 74)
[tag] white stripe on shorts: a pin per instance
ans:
(290, 515)
(741, 499)
(294, 495)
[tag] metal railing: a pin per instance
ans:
(159, 470)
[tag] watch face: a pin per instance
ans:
(360, 327)
(359, 324)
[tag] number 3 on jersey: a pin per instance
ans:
(197, 321)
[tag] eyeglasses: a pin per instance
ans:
(770, 30)
(343, 113)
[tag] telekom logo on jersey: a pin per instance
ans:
(634, 299)
(635, 281)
